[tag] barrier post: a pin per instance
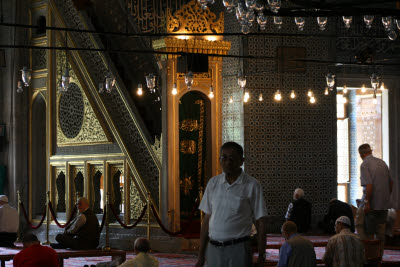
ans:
(148, 215)
(47, 219)
(201, 197)
(19, 240)
(107, 246)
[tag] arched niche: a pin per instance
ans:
(194, 152)
(60, 185)
(79, 184)
(98, 192)
(38, 154)
(117, 191)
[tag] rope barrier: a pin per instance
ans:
(180, 232)
(55, 219)
(103, 221)
(129, 226)
(27, 219)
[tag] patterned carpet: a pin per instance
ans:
(275, 239)
(170, 260)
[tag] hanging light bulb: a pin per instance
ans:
(250, 4)
(382, 86)
(330, 80)
(278, 96)
(326, 92)
(20, 89)
(174, 89)
(262, 21)
(140, 89)
(374, 81)
(151, 82)
(278, 21)
(363, 89)
(274, 5)
(260, 98)
(392, 35)
(211, 94)
(189, 80)
(344, 89)
(309, 93)
(246, 96)
(26, 75)
(65, 80)
(300, 22)
(110, 82)
(368, 19)
(292, 95)
(387, 22)
(312, 100)
(231, 100)
(322, 21)
(347, 21)
(344, 100)
(241, 80)
(374, 100)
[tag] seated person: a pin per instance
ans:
(8, 223)
(35, 255)
(141, 248)
(83, 232)
(345, 248)
(336, 209)
(299, 211)
(297, 250)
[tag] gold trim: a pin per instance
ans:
(41, 75)
(44, 6)
(193, 18)
(38, 39)
(77, 157)
(200, 142)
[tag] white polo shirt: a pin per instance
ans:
(233, 207)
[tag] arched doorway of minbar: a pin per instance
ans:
(38, 157)
(194, 156)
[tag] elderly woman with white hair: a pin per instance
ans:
(299, 211)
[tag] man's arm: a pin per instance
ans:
(203, 240)
(284, 255)
(327, 259)
(289, 212)
(77, 225)
(367, 200)
(261, 225)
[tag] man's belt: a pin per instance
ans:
(229, 242)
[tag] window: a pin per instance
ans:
(343, 168)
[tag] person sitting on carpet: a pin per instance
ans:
(8, 223)
(143, 258)
(345, 248)
(297, 250)
(299, 211)
(336, 209)
(34, 254)
(83, 232)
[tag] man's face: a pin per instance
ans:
(230, 160)
(82, 206)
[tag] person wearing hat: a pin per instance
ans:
(345, 248)
(8, 223)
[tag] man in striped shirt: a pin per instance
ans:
(344, 249)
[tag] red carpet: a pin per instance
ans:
(275, 239)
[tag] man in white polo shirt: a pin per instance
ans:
(232, 202)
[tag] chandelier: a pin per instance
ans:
(250, 11)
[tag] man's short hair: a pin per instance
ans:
(29, 238)
(364, 149)
(142, 245)
(289, 227)
(299, 192)
(238, 148)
